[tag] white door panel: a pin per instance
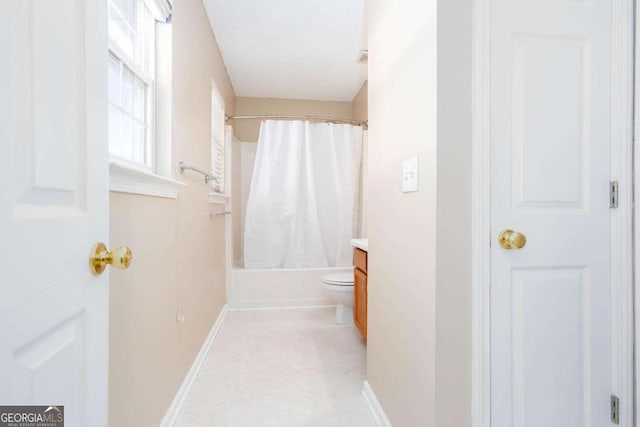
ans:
(550, 302)
(53, 206)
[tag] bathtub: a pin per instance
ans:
(273, 288)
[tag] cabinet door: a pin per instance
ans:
(360, 260)
(360, 306)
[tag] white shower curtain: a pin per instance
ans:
(303, 209)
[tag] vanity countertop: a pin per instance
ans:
(360, 244)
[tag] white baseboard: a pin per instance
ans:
(284, 307)
(172, 413)
(374, 406)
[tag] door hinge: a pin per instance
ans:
(613, 194)
(615, 409)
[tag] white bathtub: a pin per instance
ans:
(300, 287)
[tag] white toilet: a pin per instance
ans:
(340, 287)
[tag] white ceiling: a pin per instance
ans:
(296, 49)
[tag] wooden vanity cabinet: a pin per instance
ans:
(360, 291)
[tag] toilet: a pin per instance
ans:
(340, 287)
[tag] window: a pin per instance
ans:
(218, 144)
(139, 55)
(131, 74)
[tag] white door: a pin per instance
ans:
(53, 206)
(550, 143)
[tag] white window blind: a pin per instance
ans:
(218, 151)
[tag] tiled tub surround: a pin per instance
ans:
(280, 368)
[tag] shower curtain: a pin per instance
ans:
(303, 202)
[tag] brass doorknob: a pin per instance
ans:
(510, 239)
(100, 257)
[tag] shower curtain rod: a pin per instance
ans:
(314, 118)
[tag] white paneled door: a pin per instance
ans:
(53, 206)
(551, 358)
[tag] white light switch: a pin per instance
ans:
(410, 175)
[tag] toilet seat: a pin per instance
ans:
(340, 279)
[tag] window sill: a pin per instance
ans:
(219, 198)
(127, 179)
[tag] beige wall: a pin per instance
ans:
(143, 372)
(179, 253)
(419, 347)
(401, 362)
(247, 130)
(360, 104)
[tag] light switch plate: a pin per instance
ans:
(410, 175)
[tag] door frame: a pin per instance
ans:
(636, 219)
(621, 246)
